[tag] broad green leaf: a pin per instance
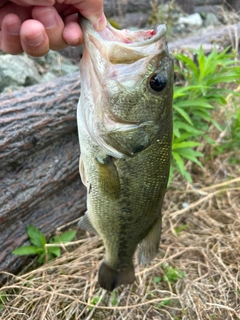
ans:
(41, 258)
(64, 237)
(27, 250)
(67, 236)
(54, 250)
(36, 237)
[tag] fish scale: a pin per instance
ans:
(125, 134)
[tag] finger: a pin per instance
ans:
(10, 34)
(72, 32)
(34, 39)
(53, 25)
(29, 3)
(93, 11)
(22, 12)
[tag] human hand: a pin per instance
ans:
(27, 27)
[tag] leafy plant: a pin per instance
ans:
(114, 299)
(40, 246)
(3, 300)
(199, 93)
(165, 302)
(171, 274)
(156, 279)
(178, 230)
(94, 301)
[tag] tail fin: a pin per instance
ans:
(110, 279)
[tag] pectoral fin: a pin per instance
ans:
(108, 181)
(148, 248)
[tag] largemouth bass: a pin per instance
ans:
(125, 131)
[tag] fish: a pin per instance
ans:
(124, 118)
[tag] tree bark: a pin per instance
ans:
(39, 153)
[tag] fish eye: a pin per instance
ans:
(157, 82)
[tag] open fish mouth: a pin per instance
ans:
(129, 38)
(133, 38)
(114, 62)
(123, 46)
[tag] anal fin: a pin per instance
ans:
(149, 246)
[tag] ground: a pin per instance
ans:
(195, 276)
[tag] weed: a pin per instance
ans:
(172, 275)
(165, 302)
(3, 300)
(114, 299)
(40, 246)
(94, 301)
(178, 230)
(157, 279)
(200, 92)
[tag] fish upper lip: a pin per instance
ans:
(113, 35)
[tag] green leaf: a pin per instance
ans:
(183, 114)
(56, 251)
(36, 237)
(67, 236)
(191, 65)
(27, 250)
(41, 258)
(64, 237)
(179, 162)
(185, 144)
(156, 279)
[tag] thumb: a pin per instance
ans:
(93, 11)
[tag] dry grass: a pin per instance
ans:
(200, 240)
(201, 237)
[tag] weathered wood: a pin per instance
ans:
(39, 153)
(36, 116)
(221, 37)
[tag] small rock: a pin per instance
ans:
(211, 20)
(193, 20)
(58, 65)
(17, 71)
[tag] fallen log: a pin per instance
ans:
(37, 116)
(39, 151)
(219, 37)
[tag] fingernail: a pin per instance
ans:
(35, 40)
(47, 17)
(100, 24)
(13, 28)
